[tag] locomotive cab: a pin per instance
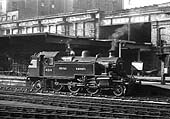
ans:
(48, 59)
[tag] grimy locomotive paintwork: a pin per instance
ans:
(53, 71)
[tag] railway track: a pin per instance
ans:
(64, 105)
(82, 106)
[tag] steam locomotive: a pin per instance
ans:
(53, 71)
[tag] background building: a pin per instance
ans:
(136, 29)
(34, 8)
(127, 4)
(104, 5)
(2, 6)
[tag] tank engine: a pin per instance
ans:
(52, 71)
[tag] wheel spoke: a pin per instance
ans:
(92, 90)
(72, 86)
(36, 86)
(119, 90)
(57, 86)
(92, 87)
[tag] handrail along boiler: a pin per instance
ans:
(52, 71)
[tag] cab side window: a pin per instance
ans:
(51, 61)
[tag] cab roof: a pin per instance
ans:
(48, 54)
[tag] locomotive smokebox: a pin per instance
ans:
(41, 66)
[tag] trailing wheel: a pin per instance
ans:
(119, 90)
(73, 88)
(56, 86)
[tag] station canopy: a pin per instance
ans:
(49, 41)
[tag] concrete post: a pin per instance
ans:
(162, 55)
(162, 72)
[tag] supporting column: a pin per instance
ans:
(162, 55)
(120, 47)
(138, 55)
(138, 59)
(162, 72)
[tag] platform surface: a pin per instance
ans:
(153, 81)
(150, 78)
(156, 84)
